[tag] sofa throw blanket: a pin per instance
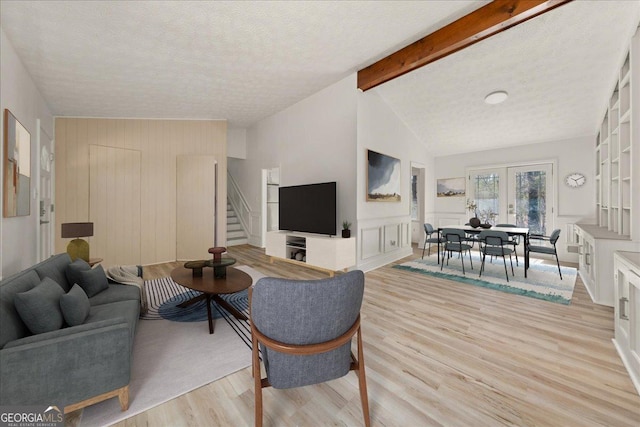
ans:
(129, 275)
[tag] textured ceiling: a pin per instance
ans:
(236, 60)
(558, 69)
(244, 60)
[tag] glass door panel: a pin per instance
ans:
(530, 197)
(485, 189)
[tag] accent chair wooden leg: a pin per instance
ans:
(257, 381)
(123, 397)
(362, 381)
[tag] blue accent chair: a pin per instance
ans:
(304, 329)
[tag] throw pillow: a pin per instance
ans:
(74, 269)
(75, 306)
(93, 281)
(39, 308)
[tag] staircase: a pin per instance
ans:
(235, 232)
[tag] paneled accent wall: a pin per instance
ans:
(195, 205)
(159, 143)
(383, 240)
(114, 181)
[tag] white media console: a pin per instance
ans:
(312, 250)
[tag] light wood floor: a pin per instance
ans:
(439, 353)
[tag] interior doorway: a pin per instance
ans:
(46, 218)
(417, 191)
(270, 204)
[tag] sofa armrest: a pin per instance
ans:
(66, 366)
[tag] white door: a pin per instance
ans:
(530, 197)
(195, 206)
(45, 191)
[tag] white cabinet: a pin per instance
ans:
(627, 312)
(595, 260)
(321, 252)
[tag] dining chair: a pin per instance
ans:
(513, 240)
(454, 241)
(492, 243)
(303, 329)
(549, 249)
(429, 230)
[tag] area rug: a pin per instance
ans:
(542, 281)
(171, 358)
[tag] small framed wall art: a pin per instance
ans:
(451, 187)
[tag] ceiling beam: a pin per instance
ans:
(484, 22)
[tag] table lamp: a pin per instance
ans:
(77, 248)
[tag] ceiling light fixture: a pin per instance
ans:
(496, 97)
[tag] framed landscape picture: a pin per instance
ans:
(451, 187)
(383, 178)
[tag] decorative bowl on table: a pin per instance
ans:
(485, 225)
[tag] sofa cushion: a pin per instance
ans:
(75, 306)
(39, 308)
(93, 281)
(116, 293)
(73, 271)
(55, 268)
(11, 325)
(128, 311)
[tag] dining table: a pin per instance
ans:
(511, 231)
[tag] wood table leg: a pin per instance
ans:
(192, 301)
(208, 296)
(222, 303)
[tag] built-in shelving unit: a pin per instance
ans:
(273, 186)
(615, 156)
(617, 182)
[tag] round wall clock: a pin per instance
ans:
(575, 180)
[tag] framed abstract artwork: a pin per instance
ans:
(383, 177)
(451, 187)
(17, 168)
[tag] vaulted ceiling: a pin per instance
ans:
(243, 61)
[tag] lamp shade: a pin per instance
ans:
(77, 229)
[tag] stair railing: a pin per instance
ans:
(239, 204)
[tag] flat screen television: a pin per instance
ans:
(309, 208)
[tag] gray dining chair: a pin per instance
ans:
(454, 241)
(513, 240)
(492, 243)
(429, 231)
(549, 249)
(304, 329)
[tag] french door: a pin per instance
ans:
(520, 195)
(530, 197)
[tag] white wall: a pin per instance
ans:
(19, 94)
(237, 143)
(384, 228)
(311, 141)
(571, 155)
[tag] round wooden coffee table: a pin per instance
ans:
(212, 287)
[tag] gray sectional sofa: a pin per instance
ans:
(74, 362)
